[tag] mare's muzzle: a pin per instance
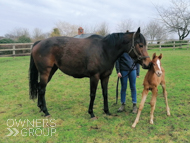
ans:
(146, 66)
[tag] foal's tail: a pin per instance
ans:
(33, 78)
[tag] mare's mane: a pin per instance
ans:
(117, 38)
(95, 36)
(114, 39)
(142, 39)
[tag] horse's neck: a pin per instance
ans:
(113, 53)
(112, 46)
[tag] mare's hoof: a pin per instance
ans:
(48, 116)
(108, 113)
(94, 118)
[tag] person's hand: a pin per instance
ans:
(119, 75)
(138, 76)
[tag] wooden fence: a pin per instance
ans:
(174, 44)
(15, 49)
(23, 49)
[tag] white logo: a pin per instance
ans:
(12, 131)
(36, 127)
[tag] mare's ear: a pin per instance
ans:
(160, 56)
(138, 32)
(154, 55)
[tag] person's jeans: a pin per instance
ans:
(132, 81)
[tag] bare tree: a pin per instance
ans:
(67, 29)
(154, 31)
(38, 35)
(125, 25)
(176, 17)
(18, 32)
(102, 29)
(89, 29)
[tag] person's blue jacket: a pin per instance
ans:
(125, 62)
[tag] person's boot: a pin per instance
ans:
(134, 108)
(122, 108)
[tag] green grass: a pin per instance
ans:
(68, 100)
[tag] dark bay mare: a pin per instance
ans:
(91, 57)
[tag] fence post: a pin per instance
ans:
(13, 50)
(188, 45)
(180, 44)
(174, 46)
(160, 46)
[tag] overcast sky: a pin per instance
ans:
(44, 14)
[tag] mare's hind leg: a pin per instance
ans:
(53, 70)
(165, 96)
(40, 99)
(144, 95)
(153, 104)
(41, 91)
(93, 86)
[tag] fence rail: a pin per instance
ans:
(15, 49)
(23, 49)
(168, 44)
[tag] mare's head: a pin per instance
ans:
(138, 48)
(156, 64)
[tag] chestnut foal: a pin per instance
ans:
(153, 78)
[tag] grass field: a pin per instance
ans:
(68, 100)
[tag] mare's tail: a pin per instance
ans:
(33, 78)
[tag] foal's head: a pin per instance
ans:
(156, 64)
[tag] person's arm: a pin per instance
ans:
(117, 67)
(138, 70)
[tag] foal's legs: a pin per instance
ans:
(93, 86)
(153, 104)
(144, 95)
(104, 84)
(165, 96)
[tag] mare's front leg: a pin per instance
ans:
(153, 104)
(104, 84)
(93, 86)
(165, 96)
(144, 95)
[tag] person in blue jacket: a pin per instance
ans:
(123, 66)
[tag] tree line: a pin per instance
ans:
(173, 19)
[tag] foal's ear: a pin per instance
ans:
(160, 56)
(154, 55)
